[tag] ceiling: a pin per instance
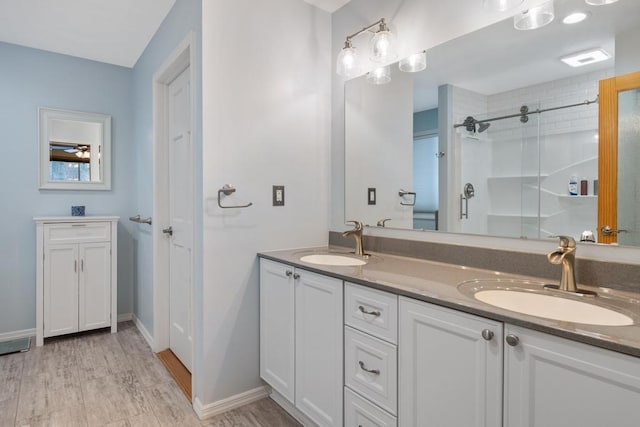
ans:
(499, 58)
(328, 5)
(113, 31)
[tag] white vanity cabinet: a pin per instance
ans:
(301, 339)
(450, 367)
(76, 286)
(555, 382)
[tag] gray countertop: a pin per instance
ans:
(437, 283)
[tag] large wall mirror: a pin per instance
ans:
(498, 135)
(74, 150)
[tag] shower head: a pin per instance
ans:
(482, 126)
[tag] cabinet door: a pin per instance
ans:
(319, 347)
(94, 305)
(449, 375)
(60, 289)
(277, 327)
(553, 382)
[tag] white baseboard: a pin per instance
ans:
(8, 336)
(291, 409)
(224, 405)
(147, 336)
(125, 317)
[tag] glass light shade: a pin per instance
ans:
(380, 75)
(535, 17)
(599, 2)
(347, 62)
(382, 46)
(501, 5)
(414, 63)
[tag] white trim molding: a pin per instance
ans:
(8, 336)
(125, 317)
(145, 333)
(233, 402)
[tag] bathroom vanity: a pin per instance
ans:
(402, 341)
(76, 275)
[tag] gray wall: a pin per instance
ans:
(29, 79)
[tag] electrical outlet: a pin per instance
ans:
(278, 195)
(371, 196)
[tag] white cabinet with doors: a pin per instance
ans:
(555, 382)
(301, 339)
(76, 271)
(450, 367)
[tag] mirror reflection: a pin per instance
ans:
(74, 150)
(499, 113)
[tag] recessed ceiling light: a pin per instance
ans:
(586, 57)
(575, 17)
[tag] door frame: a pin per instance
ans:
(608, 150)
(181, 58)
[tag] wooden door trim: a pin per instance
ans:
(608, 150)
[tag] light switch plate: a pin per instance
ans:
(371, 196)
(278, 195)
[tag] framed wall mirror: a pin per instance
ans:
(499, 111)
(74, 150)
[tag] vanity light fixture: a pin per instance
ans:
(599, 2)
(586, 57)
(535, 17)
(381, 47)
(414, 63)
(380, 75)
(575, 17)
(501, 5)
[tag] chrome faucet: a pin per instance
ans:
(566, 255)
(356, 233)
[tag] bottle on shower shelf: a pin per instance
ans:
(573, 185)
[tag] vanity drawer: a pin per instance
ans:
(77, 232)
(372, 311)
(362, 413)
(371, 368)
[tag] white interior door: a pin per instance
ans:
(181, 218)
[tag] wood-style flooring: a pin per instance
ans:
(104, 379)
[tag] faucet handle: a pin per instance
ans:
(357, 225)
(566, 241)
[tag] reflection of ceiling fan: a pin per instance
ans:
(81, 151)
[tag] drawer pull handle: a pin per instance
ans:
(78, 225)
(371, 313)
(371, 371)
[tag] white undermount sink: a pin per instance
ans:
(532, 299)
(553, 307)
(332, 259)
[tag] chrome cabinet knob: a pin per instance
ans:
(487, 334)
(512, 340)
(296, 276)
(288, 273)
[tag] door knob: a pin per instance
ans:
(168, 230)
(608, 231)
